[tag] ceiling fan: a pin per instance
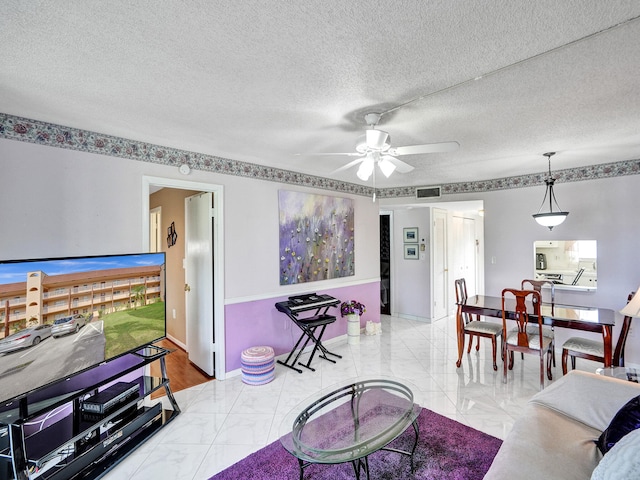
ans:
(374, 148)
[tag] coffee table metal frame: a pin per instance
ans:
(358, 451)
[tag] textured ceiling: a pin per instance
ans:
(261, 81)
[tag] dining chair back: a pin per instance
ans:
(461, 297)
(594, 349)
(528, 336)
(538, 285)
(474, 327)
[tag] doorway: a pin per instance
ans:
(385, 264)
(216, 291)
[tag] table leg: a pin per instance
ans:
(361, 464)
(460, 335)
(607, 338)
(416, 429)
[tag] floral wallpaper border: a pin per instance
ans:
(43, 133)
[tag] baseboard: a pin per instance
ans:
(177, 342)
(414, 317)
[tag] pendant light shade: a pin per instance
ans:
(551, 218)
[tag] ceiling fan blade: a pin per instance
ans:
(426, 148)
(401, 167)
(348, 165)
(350, 154)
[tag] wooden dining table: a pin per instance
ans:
(590, 319)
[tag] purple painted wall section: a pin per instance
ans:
(257, 323)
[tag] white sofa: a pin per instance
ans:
(554, 436)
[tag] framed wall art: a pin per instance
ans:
(410, 251)
(410, 235)
(316, 237)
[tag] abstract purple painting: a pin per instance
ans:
(316, 237)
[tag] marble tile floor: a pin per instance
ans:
(224, 421)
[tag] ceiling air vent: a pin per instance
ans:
(427, 192)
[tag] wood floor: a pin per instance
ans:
(181, 372)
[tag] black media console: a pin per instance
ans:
(81, 427)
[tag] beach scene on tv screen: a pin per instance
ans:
(62, 316)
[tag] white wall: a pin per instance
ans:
(58, 202)
(410, 279)
(62, 202)
(604, 210)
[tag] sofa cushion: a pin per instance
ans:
(622, 462)
(626, 420)
(544, 444)
(588, 398)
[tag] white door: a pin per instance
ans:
(463, 255)
(469, 248)
(199, 226)
(155, 238)
(440, 271)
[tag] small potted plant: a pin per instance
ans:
(352, 310)
(352, 307)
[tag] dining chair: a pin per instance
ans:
(594, 349)
(547, 330)
(523, 339)
(476, 328)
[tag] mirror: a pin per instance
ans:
(570, 264)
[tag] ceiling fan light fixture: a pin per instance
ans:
(386, 166)
(377, 140)
(366, 169)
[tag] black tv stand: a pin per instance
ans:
(70, 443)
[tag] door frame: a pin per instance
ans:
(392, 272)
(218, 250)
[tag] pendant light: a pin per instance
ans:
(551, 218)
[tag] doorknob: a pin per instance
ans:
(187, 288)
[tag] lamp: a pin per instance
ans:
(551, 218)
(632, 309)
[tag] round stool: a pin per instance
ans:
(258, 365)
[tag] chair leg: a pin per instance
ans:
(553, 351)
(505, 354)
(493, 348)
(573, 362)
(470, 343)
(541, 369)
(510, 352)
(549, 358)
(565, 354)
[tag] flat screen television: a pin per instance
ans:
(62, 316)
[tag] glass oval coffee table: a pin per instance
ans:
(349, 421)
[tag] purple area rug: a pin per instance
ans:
(447, 450)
